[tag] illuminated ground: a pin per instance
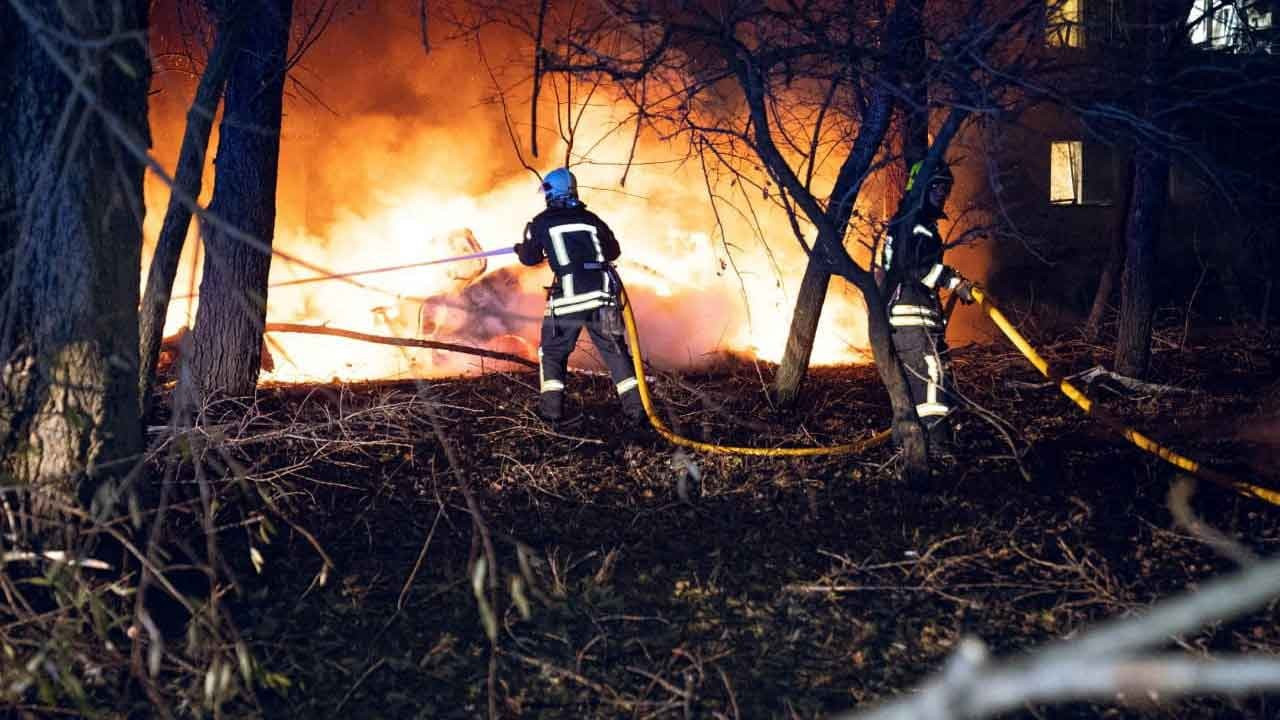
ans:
(792, 588)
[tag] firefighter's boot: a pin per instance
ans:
(633, 408)
(942, 442)
(551, 406)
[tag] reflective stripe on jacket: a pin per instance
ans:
(578, 245)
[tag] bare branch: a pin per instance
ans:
(1103, 664)
(402, 342)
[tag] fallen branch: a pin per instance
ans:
(1097, 372)
(1103, 664)
(402, 342)
(606, 694)
(970, 689)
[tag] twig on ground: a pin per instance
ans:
(1180, 505)
(607, 694)
(362, 678)
(422, 554)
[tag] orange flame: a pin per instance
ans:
(381, 185)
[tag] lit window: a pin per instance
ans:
(1229, 25)
(1199, 21)
(1260, 18)
(1065, 24)
(1066, 172)
(1224, 30)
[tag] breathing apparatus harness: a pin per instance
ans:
(608, 313)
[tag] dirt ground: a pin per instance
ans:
(639, 580)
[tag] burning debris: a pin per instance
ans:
(493, 311)
(492, 306)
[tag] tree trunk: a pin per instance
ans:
(915, 112)
(1265, 312)
(226, 343)
(71, 237)
(1115, 260)
(1106, 283)
(1159, 37)
(1137, 303)
(907, 430)
(804, 328)
(903, 25)
(908, 433)
(187, 180)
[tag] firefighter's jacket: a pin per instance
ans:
(579, 246)
(914, 270)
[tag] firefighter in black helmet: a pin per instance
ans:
(579, 247)
(914, 273)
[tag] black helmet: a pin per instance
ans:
(941, 173)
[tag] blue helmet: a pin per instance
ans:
(560, 188)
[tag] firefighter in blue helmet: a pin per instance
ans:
(914, 273)
(579, 246)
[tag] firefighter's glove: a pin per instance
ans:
(964, 291)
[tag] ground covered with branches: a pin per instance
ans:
(655, 582)
(638, 580)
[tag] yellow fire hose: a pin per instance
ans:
(633, 339)
(1071, 391)
(1133, 436)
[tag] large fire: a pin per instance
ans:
(413, 167)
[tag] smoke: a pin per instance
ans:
(393, 155)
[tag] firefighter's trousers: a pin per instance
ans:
(923, 353)
(559, 336)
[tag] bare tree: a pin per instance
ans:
(1114, 264)
(227, 339)
(794, 102)
(187, 181)
(1161, 26)
(73, 85)
(1163, 105)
